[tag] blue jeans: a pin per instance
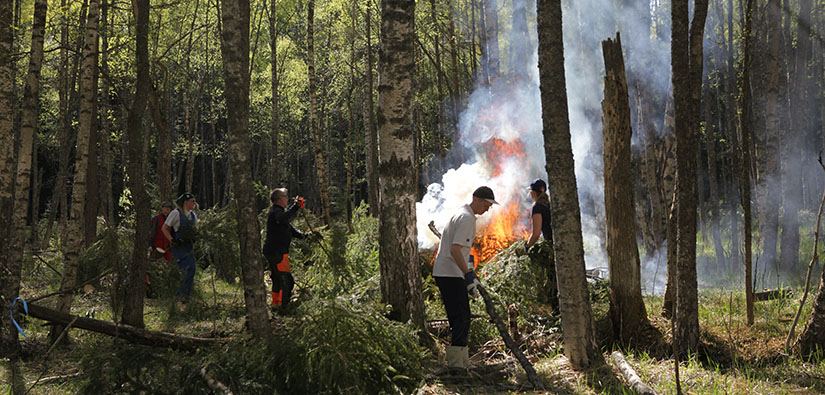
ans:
(186, 264)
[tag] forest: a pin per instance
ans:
(681, 144)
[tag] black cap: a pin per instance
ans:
(538, 185)
(167, 204)
(485, 193)
(182, 198)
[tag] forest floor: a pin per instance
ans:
(734, 358)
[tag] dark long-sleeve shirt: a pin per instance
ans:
(279, 231)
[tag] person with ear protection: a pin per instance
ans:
(279, 234)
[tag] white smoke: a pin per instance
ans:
(510, 109)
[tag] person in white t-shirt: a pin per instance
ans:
(454, 275)
(179, 229)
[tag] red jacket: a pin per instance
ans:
(157, 238)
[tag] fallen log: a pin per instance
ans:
(770, 294)
(126, 332)
(630, 375)
(213, 383)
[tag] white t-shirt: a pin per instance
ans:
(173, 219)
(460, 230)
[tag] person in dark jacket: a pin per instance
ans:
(540, 217)
(279, 234)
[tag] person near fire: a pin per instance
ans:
(543, 251)
(279, 234)
(180, 230)
(454, 275)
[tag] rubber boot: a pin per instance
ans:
(454, 357)
(465, 357)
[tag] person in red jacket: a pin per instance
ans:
(158, 244)
(157, 241)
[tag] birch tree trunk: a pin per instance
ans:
(576, 316)
(133, 302)
(9, 276)
(86, 120)
(235, 51)
(314, 121)
(627, 309)
(14, 258)
(491, 54)
(398, 177)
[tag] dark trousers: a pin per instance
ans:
(282, 281)
(186, 264)
(457, 305)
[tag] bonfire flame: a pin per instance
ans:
(506, 225)
(504, 229)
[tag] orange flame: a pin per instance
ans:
(497, 149)
(506, 227)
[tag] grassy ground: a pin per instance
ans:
(734, 358)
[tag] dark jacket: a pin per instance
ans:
(279, 231)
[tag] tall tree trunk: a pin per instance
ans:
(88, 99)
(27, 138)
(576, 316)
(491, 55)
(627, 309)
(274, 164)
(105, 123)
(157, 107)
(92, 184)
(473, 43)
(668, 190)
(686, 61)
(133, 302)
(320, 166)
(398, 176)
(350, 157)
(745, 128)
(454, 91)
(9, 275)
(235, 56)
(67, 98)
(439, 76)
(713, 180)
(27, 144)
(794, 138)
(369, 125)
